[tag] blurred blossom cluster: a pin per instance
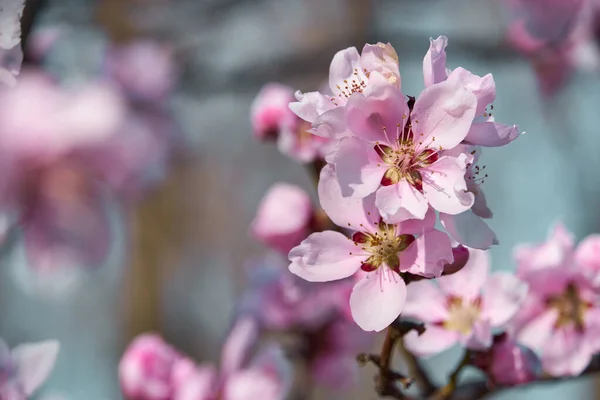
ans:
(398, 241)
(558, 36)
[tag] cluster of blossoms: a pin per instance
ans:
(25, 368)
(558, 36)
(64, 169)
(394, 165)
(152, 370)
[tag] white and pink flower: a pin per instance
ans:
(463, 308)
(560, 318)
(379, 249)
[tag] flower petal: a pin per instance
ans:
(342, 67)
(444, 186)
(241, 337)
(425, 302)
(400, 202)
(311, 105)
(443, 115)
(377, 300)
(345, 211)
(468, 282)
(381, 116)
(484, 88)
(538, 331)
(503, 296)
(418, 226)
(492, 134)
(434, 62)
(587, 254)
(427, 255)
(480, 337)
(358, 167)
(326, 256)
(469, 229)
(34, 362)
(564, 354)
(434, 340)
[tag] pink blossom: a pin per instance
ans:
(265, 377)
(463, 308)
(284, 217)
(507, 363)
(558, 36)
(25, 368)
(61, 160)
(379, 249)
(349, 73)
(144, 69)
(316, 313)
(560, 318)
(281, 301)
(11, 55)
(272, 119)
(484, 131)
(145, 368)
(397, 149)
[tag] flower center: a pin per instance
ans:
(383, 245)
(570, 306)
(462, 315)
(405, 162)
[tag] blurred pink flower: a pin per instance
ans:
(145, 69)
(381, 250)
(152, 370)
(316, 313)
(11, 55)
(279, 300)
(272, 119)
(558, 36)
(145, 368)
(561, 316)
(507, 363)
(349, 73)
(484, 131)
(265, 377)
(284, 217)
(61, 160)
(397, 150)
(464, 308)
(24, 369)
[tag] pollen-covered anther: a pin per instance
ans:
(384, 247)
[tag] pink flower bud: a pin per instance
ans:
(283, 217)
(270, 110)
(145, 369)
(508, 363)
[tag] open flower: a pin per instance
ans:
(349, 73)
(561, 316)
(380, 249)
(397, 150)
(484, 131)
(464, 308)
(25, 368)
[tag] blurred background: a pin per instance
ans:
(176, 264)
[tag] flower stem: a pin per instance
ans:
(446, 391)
